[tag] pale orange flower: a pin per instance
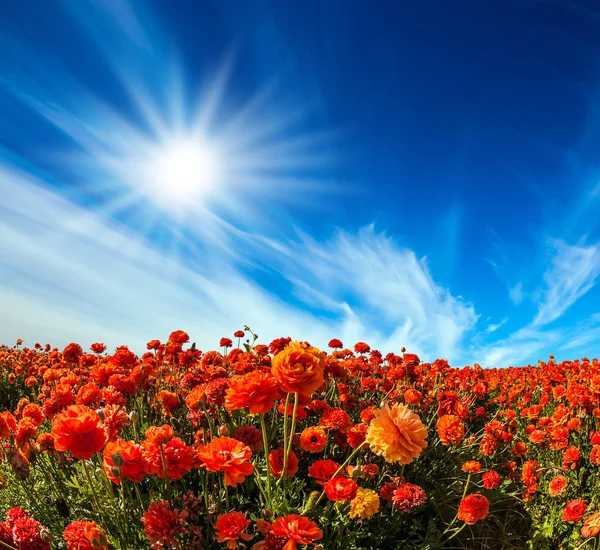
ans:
(397, 434)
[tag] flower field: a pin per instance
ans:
(285, 446)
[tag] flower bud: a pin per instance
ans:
(100, 541)
(134, 416)
(101, 414)
(115, 472)
(223, 430)
(46, 536)
(118, 460)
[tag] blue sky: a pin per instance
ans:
(408, 174)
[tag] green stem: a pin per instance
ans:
(288, 447)
(266, 449)
(89, 479)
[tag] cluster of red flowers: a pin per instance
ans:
(187, 439)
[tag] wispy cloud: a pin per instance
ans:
(495, 326)
(572, 273)
(69, 274)
(516, 293)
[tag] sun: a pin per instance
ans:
(184, 171)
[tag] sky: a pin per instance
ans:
(418, 174)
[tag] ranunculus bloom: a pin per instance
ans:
(296, 530)
(471, 466)
(571, 458)
(365, 504)
(473, 508)
(130, 460)
(165, 455)
(313, 439)
(85, 535)
(323, 470)
(257, 391)
(335, 419)
(276, 459)
(340, 489)
(574, 510)
(451, 429)
(491, 479)
(78, 429)
(162, 525)
(397, 434)
(230, 527)
(227, 455)
(408, 496)
(591, 526)
(557, 486)
(299, 369)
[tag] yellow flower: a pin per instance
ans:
(397, 434)
(365, 504)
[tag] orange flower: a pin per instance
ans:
(473, 508)
(451, 429)
(227, 455)
(276, 463)
(85, 535)
(78, 429)
(591, 526)
(557, 486)
(230, 527)
(256, 391)
(8, 424)
(471, 466)
(313, 439)
(299, 369)
(126, 455)
(296, 530)
(397, 434)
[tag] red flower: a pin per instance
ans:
(230, 527)
(85, 535)
(340, 489)
(356, 435)
(361, 347)
(225, 343)
(124, 459)
(25, 531)
(571, 458)
(162, 525)
(491, 479)
(323, 470)
(296, 530)
(473, 508)
(335, 344)
(336, 419)
(78, 429)
(574, 510)
(165, 455)
(408, 496)
(276, 459)
(249, 436)
(239, 334)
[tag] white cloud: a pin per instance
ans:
(572, 273)
(516, 293)
(67, 274)
(494, 327)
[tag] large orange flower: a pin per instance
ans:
(299, 368)
(230, 527)
(126, 455)
(85, 535)
(78, 429)
(451, 429)
(397, 434)
(227, 455)
(256, 391)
